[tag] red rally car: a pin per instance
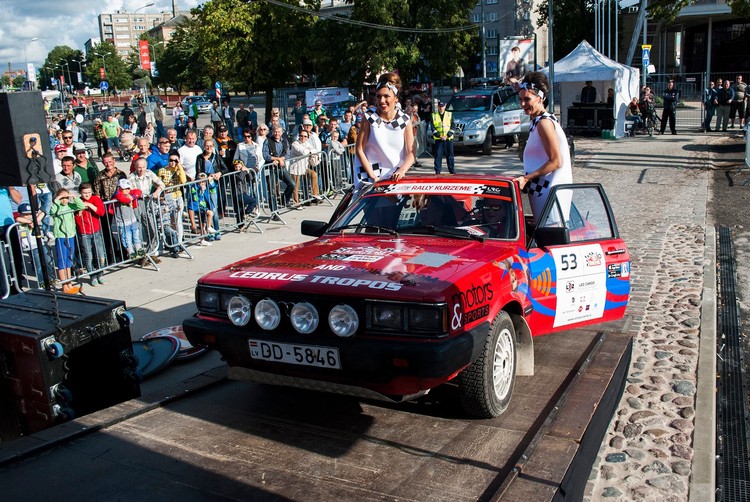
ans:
(417, 283)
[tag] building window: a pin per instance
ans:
(475, 17)
(491, 2)
(124, 36)
(492, 16)
(121, 20)
(123, 44)
(492, 50)
(491, 33)
(122, 28)
(139, 27)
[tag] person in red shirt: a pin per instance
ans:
(89, 229)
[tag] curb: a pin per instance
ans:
(703, 477)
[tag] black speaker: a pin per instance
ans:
(60, 358)
(24, 141)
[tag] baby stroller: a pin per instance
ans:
(127, 145)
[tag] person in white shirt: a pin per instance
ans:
(189, 153)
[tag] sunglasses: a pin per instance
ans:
(67, 137)
(174, 160)
(248, 135)
(303, 136)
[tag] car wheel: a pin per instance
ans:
(487, 145)
(485, 386)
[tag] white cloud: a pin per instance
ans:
(59, 22)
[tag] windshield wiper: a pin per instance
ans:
(461, 233)
(358, 226)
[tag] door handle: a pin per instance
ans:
(615, 251)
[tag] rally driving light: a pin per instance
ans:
(304, 318)
(239, 310)
(267, 314)
(343, 320)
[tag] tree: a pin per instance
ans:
(117, 73)
(19, 81)
(62, 61)
(568, 31)
(156, 53)
(180, 66)
(359, 53)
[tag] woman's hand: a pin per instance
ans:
(521, 180)
(400, 173)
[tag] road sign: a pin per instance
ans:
(646, 55)
(103, 85)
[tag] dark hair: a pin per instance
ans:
(537, 80)
(68, 158)
(85, 186)
(390, 78)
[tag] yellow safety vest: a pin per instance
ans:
(442, 127)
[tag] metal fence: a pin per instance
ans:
(170, 221)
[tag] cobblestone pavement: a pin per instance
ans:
(659, 188)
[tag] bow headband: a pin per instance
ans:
(529, 86)
(388, 85)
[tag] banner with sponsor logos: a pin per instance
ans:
(144, 55)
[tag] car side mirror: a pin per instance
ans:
(314, 228)
(552, 236)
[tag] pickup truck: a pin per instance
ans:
(416, 283)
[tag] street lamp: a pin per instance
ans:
(151, 4)
(66, 64)
(79, 75)
(26, 60)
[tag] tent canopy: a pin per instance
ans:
(586, 63)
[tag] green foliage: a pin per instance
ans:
(5, 81)
(118, 73)
(19, 81)
(259, 45)
(568, 30)
(61, 61)
(359, 53)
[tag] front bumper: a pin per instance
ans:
(388, 365)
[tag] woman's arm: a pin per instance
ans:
(362, 138)
(409, 160)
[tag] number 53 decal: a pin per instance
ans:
(569, 261)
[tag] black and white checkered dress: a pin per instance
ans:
(385, 147)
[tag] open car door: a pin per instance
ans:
(579, 268)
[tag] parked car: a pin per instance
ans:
(417, 283)
(210, 95)
(485, 114)
(203, 105)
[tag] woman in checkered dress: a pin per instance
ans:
(546, 158)
(385, 141)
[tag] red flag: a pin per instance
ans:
(144, 54)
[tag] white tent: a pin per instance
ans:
(586, 63)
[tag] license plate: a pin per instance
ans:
(306, 355)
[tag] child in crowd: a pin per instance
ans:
(31, 251)
(126, 220)
(90, 232)
(201, 204)
(64, 229)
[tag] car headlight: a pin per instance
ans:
(477, 124)
(343, 320)
(208, 299)
(267, 314)
(304, 317)
(388, 316)
(427, 319)
(239, 310)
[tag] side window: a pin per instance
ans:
(511, 103)
(495, 100)
(584, 210)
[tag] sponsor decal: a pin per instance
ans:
(468, 305)
(593, 259)
(331, 267)
(269, 276)
(614, 270)
(319, 279)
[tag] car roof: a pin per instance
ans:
(483, 89)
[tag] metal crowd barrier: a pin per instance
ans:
(173, 220)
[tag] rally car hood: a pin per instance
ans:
(414, 268)
(466, 117)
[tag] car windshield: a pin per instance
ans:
(469, 103)
(464, 210)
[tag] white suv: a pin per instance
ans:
(482, 115)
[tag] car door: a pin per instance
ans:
(579, 267)
(509, 116)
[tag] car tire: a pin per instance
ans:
(486, 385)
(487, 145)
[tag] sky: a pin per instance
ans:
(60, 22)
